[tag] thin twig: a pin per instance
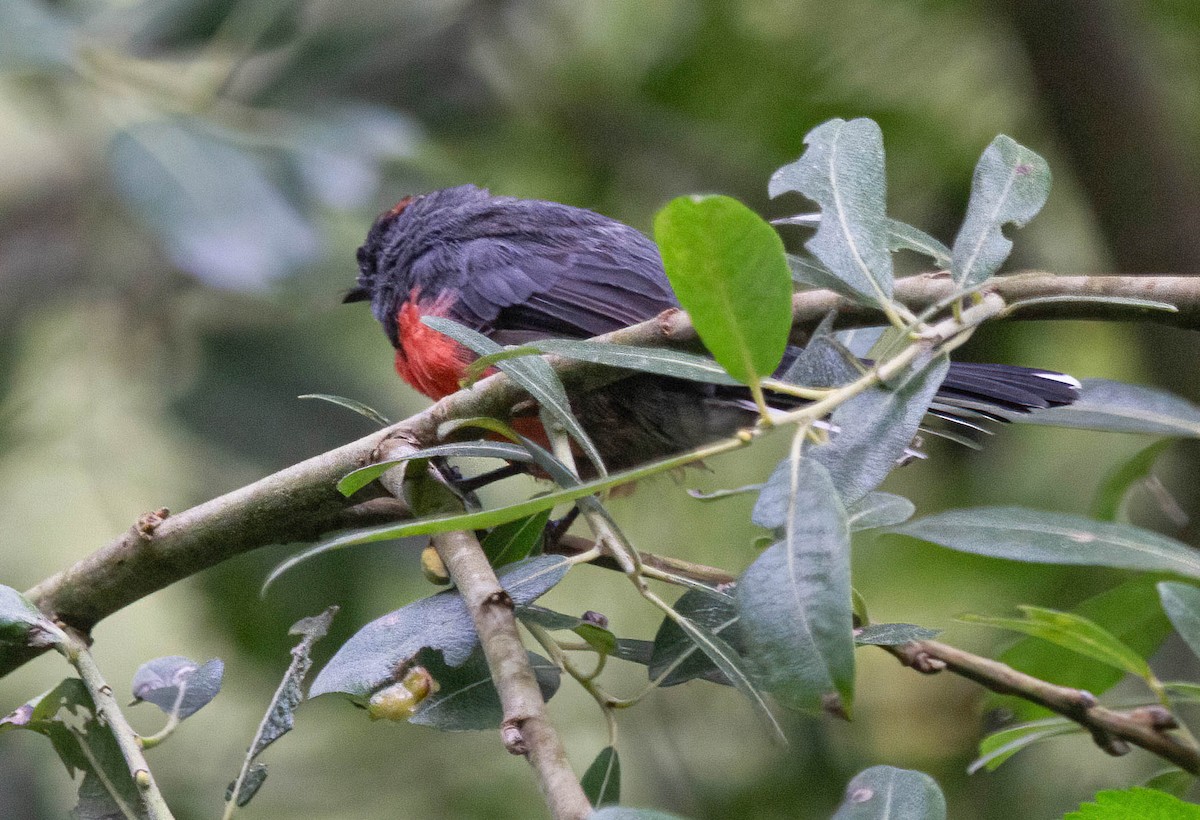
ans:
(1148, 726)
(301, 503)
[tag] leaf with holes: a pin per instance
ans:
(842, 171)
(1010, 186)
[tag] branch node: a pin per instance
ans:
(1111, 745)
(916, 656)
(147, 523)
(510, 735)
(500, 598)
(1156, 717)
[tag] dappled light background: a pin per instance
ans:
(182, 187)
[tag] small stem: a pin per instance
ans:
(1111, 729)
(108, 711)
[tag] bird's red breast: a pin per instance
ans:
(431, 362)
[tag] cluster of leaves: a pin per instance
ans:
(91, 736)
(787, 629)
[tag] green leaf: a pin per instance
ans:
(732, 666)
(1033, 536)
(599, 638)
(515, 540)
(842, 171)
(902, 237)
(21, 622)
(1136, 803)
(484, 519)
(1010, 186)
(675, 363)
(876, 509)
(1000, 746)
(809, 273)
(893, 634)
(875, 429)
(368, 660)
(1183, 690)
(1130, 611)
(1122, 408)
(1072, 632)
(1181, 602)
(534, 374)
(871, 433)
(602, 780)
(466, 698)
(350, 404)
(279, 719)
(676, 658)
(214, 206)
(354, 481)
(794, 601)
(1107, 504)
(727, 267)
(177, 685)
(888, 793)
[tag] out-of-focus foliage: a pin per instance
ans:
(182, 186)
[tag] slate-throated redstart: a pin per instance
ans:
(518, 270)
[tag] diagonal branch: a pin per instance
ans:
(300, 503)
(1148, 727)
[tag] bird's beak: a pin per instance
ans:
(358, 294)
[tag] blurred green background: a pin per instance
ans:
(182, 187)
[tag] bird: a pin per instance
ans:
(519, 270)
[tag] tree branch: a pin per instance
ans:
(1113, 731)
(300, 503)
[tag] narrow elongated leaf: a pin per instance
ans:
(533, 373)
(875, 429)
(515, 540)
(466, 698)
(903, 237)
(878, 509)
(370, 658)
(177, 685)
(1010, 186)
(1122, 408)
(1181, 602)
(732, 666)
(599, 638)
(1129, 611)
(1117, 485)
(350, 404)
(842, 171)
(728, 269)
(893, 634)
(602, 780)
(1000, 746)
(1136, 803)
(1072, 632)
(354, 481)
(279, 719)
(888, 793)
(676, 658)
(872, 432)
(809, 273)
(1020, 534)
(794, 601)
(675, 363)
